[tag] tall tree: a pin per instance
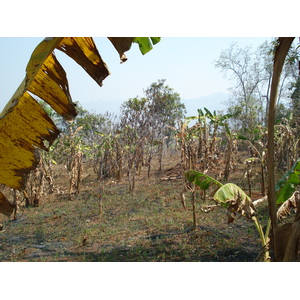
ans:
(246, 73)
(251, 72)
(149, 117)
(165, 108)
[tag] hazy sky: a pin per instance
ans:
(186, 63)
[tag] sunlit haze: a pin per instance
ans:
(187, 64)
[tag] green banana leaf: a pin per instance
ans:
(287, 185)
(203, 181)
(146, 43)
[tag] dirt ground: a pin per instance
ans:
(149, 224)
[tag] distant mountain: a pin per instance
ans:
(212, 102)
(102, 106)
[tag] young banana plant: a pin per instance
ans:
(234, 199)
(237, 202)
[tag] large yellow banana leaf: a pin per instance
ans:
(24, 125)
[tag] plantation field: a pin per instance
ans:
(149, 224)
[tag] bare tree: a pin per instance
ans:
(251, 71)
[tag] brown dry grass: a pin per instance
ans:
(147, 225)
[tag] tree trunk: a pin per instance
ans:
(228, 159)
(194, 209)
(149, 163)
(279, 58)
(119, 161)
(263, 185)
(160, 155)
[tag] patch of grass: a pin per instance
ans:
(149, 224)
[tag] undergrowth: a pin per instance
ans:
(149, 224)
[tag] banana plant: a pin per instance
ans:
(281, 49)
(24, 124)
(235, 200)
(287, 236)
(216, 120)
(204, 182)
(230, 149)
(259, 151)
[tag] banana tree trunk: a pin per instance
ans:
(281, 51)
